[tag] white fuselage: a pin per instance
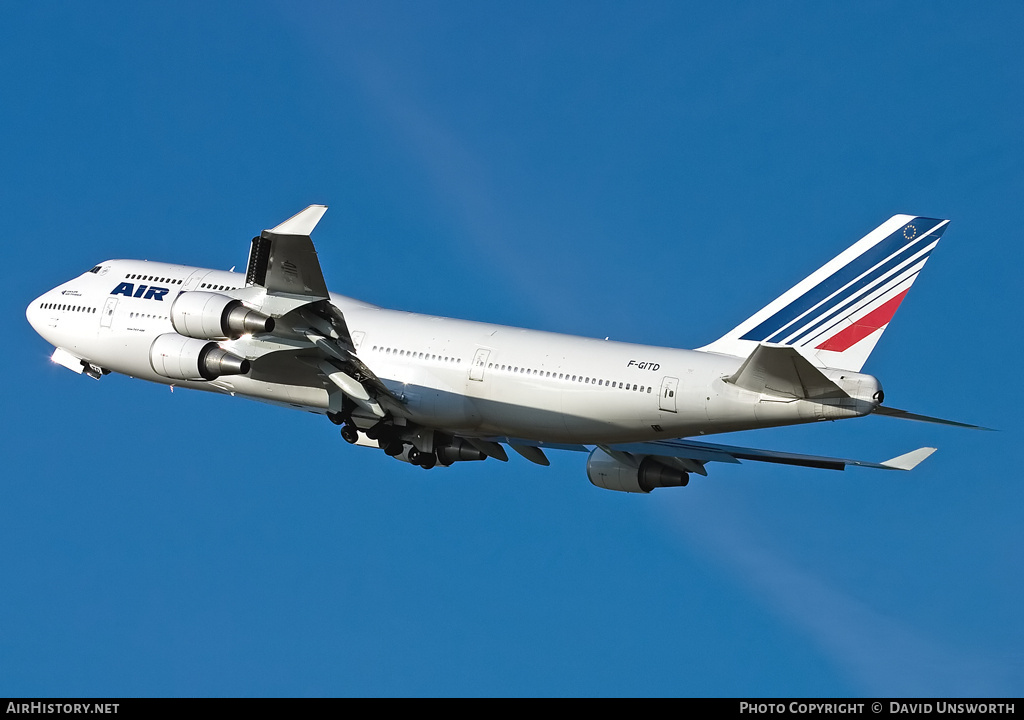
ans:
(467, 378)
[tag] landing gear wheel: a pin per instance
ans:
(425, 460)
(394, 448)
(349, 433)
(336, 418)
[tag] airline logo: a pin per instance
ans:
(854, 298)
(146, 292)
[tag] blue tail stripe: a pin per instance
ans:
(838, 305)
(847, 273)
(836, 323)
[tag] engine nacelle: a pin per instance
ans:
(212, 316)
(606, 472)
(182, 358)
(458, 450)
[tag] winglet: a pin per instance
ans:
(910, 460)
(301, 223)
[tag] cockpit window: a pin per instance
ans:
(96, 269)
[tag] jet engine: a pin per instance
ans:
(458, 450)
(176, 356)
(212, 316)
(646, 474)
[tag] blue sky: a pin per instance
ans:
(652, 172)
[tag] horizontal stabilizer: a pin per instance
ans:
(781, 370)
(910, 460)
(893, 412)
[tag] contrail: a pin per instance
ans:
(879, 653)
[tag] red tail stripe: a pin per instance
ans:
(852, 334)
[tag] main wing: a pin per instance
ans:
(700, 453)
(692, 449)
(643, 466)
(310, 340)
(283, 259)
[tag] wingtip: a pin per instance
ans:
(910, 460)
(301, 223)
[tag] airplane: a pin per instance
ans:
(434, 391)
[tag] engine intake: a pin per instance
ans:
(212, 316)
(606, 472)
(182, 358)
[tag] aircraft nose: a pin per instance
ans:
(37, 314)
(33, 313)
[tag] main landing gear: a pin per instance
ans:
(389, 439)
(349, 433)
(348, 429)
(425, 460)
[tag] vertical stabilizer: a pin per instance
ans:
(836, 315)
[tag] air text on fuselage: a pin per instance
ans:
(145, 292)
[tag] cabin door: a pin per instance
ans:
(667, 398)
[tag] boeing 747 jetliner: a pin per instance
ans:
(434, 391)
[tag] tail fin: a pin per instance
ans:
(835, 316)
